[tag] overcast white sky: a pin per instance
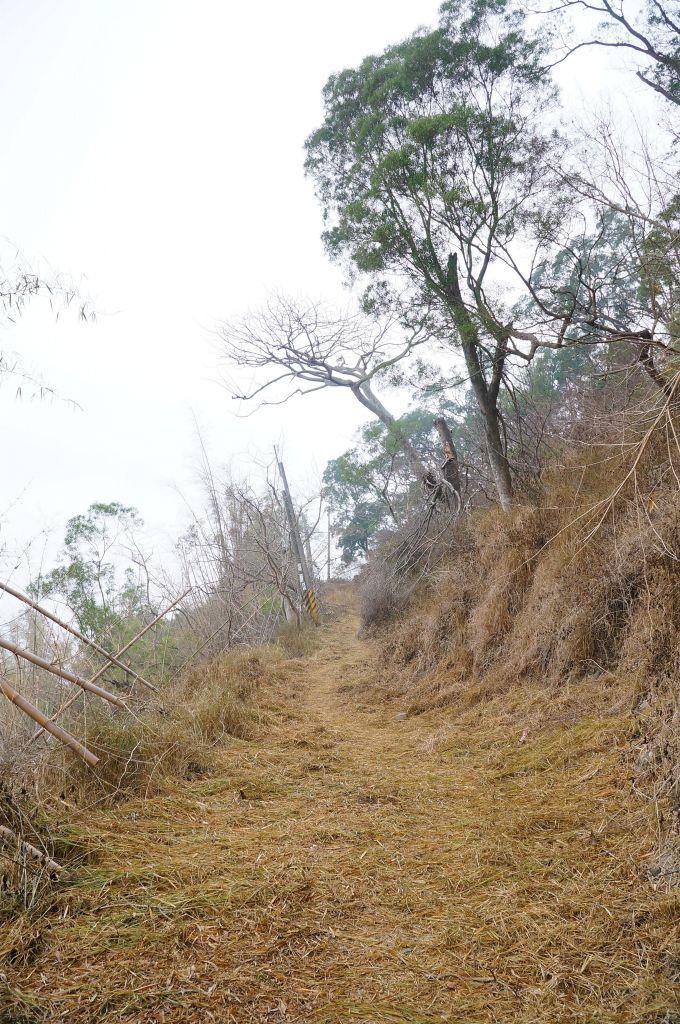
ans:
(152, 151)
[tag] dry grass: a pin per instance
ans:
(532, 596)
(296, 641)
(175, 735)
(346, 866)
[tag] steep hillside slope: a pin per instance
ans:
(554, 610)
(347, 864)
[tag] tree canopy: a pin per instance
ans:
(86, 579)
(432, 162)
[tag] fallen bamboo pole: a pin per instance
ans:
(8, 838)
(114, 659)
(44, 723)
(74, 697)
(84, 684)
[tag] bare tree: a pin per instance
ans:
(303, 348)
(651, 31)
(238, 558)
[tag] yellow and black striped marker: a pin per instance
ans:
(310, 604)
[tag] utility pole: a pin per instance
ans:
(309, 598)
(328, 512)
(310, 558)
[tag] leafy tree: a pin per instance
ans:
(660, 271)
(431, 162)
(370, 487)
(591, 283)
(86, 579)
(618, 283)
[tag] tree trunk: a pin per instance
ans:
(646, 358)
(500, 467)
(487, 398)
(498, 462)
(450, 467)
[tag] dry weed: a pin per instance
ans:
(343, 868)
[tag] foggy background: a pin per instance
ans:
(152, 154)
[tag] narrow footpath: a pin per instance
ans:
(348, 866)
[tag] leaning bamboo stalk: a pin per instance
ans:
(8, 838)
(44, 723)
(84, 684)
(114, 659)
(74, 697)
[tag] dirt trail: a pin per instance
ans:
(345, 867)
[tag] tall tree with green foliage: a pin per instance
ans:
(431, 163)
(86, 578)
